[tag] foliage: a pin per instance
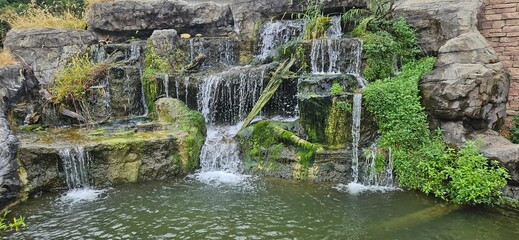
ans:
(153, 64)
(6, 58)
(73, 82)
(336, 89)
(423, 161)
(388, 42)
(15, 224)
(316, 22)
(395, 103)
(514, 130)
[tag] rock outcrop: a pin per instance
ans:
(112, 18)
(136, 151)
(12, 85)
(496, 147)
(468, 86)
(47, 50)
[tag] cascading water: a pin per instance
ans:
(276, 33)
(75, 165)
(76, 162)
(324, 56)
(355, 133)
(224, 100)
(372, 179)
(166, 84)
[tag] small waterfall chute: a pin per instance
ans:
(76, 162)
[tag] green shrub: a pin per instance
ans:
(336, 89)
(423, 161)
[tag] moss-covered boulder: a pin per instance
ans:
(122, 151)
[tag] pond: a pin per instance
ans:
(254, 208)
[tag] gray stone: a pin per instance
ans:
(47, 50)
(165, 41)
(496, 147)
(437, 21)
(466, 48)
(473, 93)
(112, 17)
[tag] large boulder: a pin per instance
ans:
(112, 18)
(468, 84)
(437, 21)
(47, 50)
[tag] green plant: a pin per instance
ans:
(153, 64)
(515, 130)
(336, 89)
(423, 161)
(388, 42)
(15, 224)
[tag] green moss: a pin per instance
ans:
(153, 64)
(336, 125)
(336, 89)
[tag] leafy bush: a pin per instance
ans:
(423, 161)
(388, 42)
(336, 89)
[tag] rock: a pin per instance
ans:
(198, 35)
(496, 147)
(165, 41)
(185, 36)
(438, 21)
(12, 86)
(175, 115)
(112, 18)
(466, 48)
(9, 182)
(473, 93)
(47, 50)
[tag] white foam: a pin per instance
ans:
(217, 178)
(357, 188)
(74, 196)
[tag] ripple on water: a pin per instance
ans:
(75, 196)
(357, 188)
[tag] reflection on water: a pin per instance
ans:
(266, 209)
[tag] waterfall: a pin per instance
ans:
(143, 95)
(166, 84)
(135, 52)
(324, 56)
(75, 166)
(276, 33)
(186, 85)
(355, 133)
(356, 67)
(374, 176)
(225, 99)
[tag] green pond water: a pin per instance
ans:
(257, 208)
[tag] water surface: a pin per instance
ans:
(255, 209)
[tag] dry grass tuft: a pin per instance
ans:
(6, 58)
(35, 17)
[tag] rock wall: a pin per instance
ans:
(499, 23)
